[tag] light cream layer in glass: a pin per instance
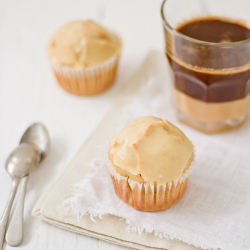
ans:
(211, 111)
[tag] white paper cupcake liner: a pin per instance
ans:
(87, 81)
(149, 197)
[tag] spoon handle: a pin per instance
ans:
(14, 234)
(6, 213)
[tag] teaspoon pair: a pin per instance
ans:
(33, 148)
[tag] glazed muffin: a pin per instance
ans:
(149, 163)
(84, 57)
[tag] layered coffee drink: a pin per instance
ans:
(219, 91)
(209, 58)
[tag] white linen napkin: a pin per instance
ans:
(213, 213)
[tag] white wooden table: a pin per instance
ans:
(29, 93)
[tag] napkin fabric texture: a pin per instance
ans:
(215, 210)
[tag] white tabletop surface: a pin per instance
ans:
(29, 93)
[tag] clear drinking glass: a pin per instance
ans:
(211, 80)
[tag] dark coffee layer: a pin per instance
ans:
(212, 85)
(215, 30)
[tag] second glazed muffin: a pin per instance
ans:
(150, 163)
(84, 57)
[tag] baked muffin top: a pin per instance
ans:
(151, 150)
(82, 44)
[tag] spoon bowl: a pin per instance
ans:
(38, 135)
(22, 160)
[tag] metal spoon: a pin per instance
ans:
(20, 162)
(38, 135)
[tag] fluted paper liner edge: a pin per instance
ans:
(87, 81)
(149, 197)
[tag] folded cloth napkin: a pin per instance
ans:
(214, 212)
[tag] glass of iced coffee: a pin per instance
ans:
(208, 52)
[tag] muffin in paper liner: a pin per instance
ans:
(147, 197)
(89, 80)
(84, 57)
